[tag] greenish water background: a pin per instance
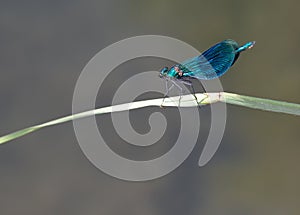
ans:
(45, 45)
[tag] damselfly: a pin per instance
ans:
(211, 64)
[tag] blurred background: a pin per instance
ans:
(46, 44)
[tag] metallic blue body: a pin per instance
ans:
(211, 64)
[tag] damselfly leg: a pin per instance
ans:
(180, 90)
(174, 83)
(190, 84)
(167, 91)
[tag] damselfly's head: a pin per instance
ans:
(163, 72)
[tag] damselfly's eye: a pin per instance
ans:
(163, 71)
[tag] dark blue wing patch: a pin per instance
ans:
(212, 63)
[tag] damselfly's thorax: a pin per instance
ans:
(176, 71)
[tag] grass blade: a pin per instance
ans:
(186, 101)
